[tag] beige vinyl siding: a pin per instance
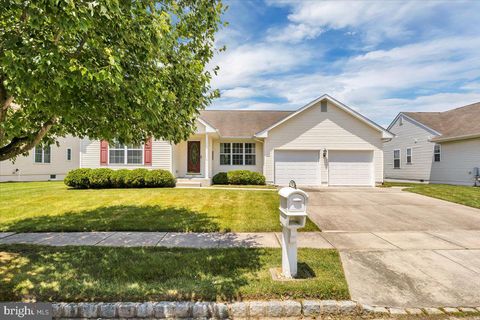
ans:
(409, 135)
(458, 158)
(28, 170)
(316, 130)
(258, 167)
(161, 156)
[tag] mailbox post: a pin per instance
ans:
(293, 215)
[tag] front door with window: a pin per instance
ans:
(193, 156)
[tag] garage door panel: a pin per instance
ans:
(350, 168)
(300, 165)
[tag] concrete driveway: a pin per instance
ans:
(386, 209)
(402, 249)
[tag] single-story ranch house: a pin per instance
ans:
(322, 143)
(435, 147)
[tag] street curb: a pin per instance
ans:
(239, 310)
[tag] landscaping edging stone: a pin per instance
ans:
(237, 310)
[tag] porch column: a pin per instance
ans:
(207, 156)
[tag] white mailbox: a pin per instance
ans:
(293, 207)
(293, 215)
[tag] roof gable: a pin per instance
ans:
(459, 123)
(385, 133)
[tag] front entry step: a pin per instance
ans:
(192, 182)
(188, 184)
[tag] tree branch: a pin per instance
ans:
(20, 145)
(5, 102)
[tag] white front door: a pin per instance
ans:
(302, 166)
(350, 168)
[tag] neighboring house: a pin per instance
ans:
(44, 163)
(322, 143)
(435, 147)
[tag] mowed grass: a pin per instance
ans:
(51, 206)
(469, 196)
(44, 273)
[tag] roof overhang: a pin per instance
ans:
(208, 127)
(385, 133)
(455, 138)
(401, 114)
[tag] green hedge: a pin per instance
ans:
(78, 178)
(123, 178)
(239, 177)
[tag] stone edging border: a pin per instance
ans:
(248, 309)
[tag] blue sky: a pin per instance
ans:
(378, 57)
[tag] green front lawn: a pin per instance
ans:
(51, 206)
(469, 196)
(142, 274)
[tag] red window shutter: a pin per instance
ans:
(147, 152)
(103, 152)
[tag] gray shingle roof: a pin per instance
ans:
(463, 121)
(242, 123)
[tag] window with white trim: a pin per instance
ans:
(42, 154)
(437, 150)
(250, 157)
(69, 154)
(225, 154)
(237, 153)
(409, 155)
(119, 153)
(396, 159)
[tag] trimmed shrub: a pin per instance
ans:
(119, 177)
(256, 178)
(159, 179)
(136, 178)
(245, 177)
(100, 178)
(123, 178)
(220, 178)
(78, 178)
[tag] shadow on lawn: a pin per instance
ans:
(121, 218)
(124, 274)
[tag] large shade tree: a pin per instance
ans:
(106, 69)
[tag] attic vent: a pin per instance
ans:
(323, 106)
(401, 121)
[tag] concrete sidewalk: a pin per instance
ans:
(401, 269)
(343, 241)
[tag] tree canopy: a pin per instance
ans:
(106, 69)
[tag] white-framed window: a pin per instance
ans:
(43, 154)
(125, 154)
(69, 154)
(250, 157)
(225, 154)
(237, 153)
(409, 155)
(396, 159)
(437, 150)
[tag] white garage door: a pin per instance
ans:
(300, 165)
(350, 168)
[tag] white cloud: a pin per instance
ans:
(437, 72)
(238, 92)
(374, 21)
(240, 65)
(294, 33)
